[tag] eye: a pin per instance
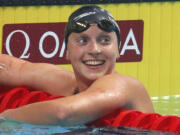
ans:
(104, 40)
(82, 40)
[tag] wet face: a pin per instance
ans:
(92, 53)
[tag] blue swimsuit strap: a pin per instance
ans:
(76, 91)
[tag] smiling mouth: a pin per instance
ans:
(94, 62)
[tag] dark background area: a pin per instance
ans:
(70, 2)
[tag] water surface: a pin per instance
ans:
(9, 127)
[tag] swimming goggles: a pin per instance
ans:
(80, 26)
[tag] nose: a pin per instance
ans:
(95, 48)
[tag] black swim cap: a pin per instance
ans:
(81, 19)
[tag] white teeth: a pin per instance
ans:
(94, 62)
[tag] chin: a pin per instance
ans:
(93, 76)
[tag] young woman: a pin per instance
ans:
(92, 37)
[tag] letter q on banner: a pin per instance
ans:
(44, 42)
(26, 46)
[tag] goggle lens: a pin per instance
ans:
(79, 26)
(106, 25)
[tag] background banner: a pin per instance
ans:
(44, 42)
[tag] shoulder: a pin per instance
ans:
(121, 85)
(135, 94)
(119, 80)
(128, 91)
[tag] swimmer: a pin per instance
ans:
(92, 40)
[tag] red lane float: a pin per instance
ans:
(21, 96)
(12, 97)
(145, 120)
(126, 118)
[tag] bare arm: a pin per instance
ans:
(40, 76)
(102, 97)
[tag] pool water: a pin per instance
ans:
(8, 127)
(167, 105)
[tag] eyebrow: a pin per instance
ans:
(83, 36)
(105, 34)
(102, 33)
